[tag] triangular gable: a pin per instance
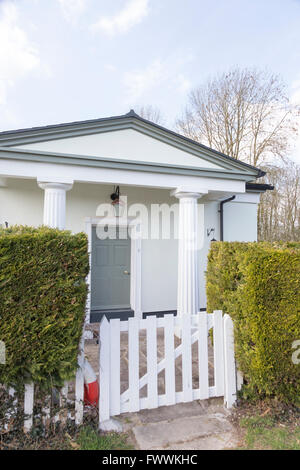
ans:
(124, 138)
(126, 144)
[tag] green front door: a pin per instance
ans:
(110, 274)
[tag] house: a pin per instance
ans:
(168, 196)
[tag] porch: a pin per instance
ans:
(62, 175)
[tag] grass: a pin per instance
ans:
(86, 438)
(266, 433)
(90, 439)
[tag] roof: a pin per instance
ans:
(17, 137)
(259, 187)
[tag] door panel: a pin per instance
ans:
(110, 286)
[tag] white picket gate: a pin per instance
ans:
(191, 329)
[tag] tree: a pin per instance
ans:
(279, 210)
(151, 113)
(243, 113)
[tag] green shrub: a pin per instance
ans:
(42, 303)
(258, 284)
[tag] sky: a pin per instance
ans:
(69, 60)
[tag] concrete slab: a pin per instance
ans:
(180, 431)
(181, 410)
(220, 441)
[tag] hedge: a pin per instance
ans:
(42, 304)
(258, 284)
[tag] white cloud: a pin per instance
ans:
(156, 75)
(18, 57)
(141, 81)
(184, 84)
(72, 9)
(133, 13)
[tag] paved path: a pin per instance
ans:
(197, 425)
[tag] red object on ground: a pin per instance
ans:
(91, 386)
(91, 394)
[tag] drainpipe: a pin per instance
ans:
(221, 216)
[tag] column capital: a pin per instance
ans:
(187, 192)
(55, 185)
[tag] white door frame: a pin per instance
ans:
(134, 226)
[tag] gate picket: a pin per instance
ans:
(187, 384)
(170, 360)
(203, 357)
(133, 353)
(152, 362)
(104, 372)
(192, 328)
(218, 352)
(115, 370)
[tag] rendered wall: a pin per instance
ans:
(240, 222)
(21, 202)
(127, 144)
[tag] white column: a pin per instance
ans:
(188, 284)
(55, 204)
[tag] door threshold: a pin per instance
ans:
(111, 314)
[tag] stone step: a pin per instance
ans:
(179, 432)
(219, 441)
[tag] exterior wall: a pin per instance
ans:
(240, 221)
(127, 144)
(21, 202)
(211, 220)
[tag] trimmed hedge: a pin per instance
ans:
(42, 304)
(258, 284)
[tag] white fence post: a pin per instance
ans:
(104, 372)
(218, 338)
(203, 356)
(229, 363)
(239, 379)
(11, 413)
(79, 385)
(28, 407)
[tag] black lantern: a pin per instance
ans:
(116, 202)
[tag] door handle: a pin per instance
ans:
(126, 272)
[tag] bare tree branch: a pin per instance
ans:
(243, 113)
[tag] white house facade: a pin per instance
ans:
(176, 195)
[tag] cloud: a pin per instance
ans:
(184, 84)
(72, 9)
(156, 75)
(133, 13)
(18, 57)
(141, 81)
